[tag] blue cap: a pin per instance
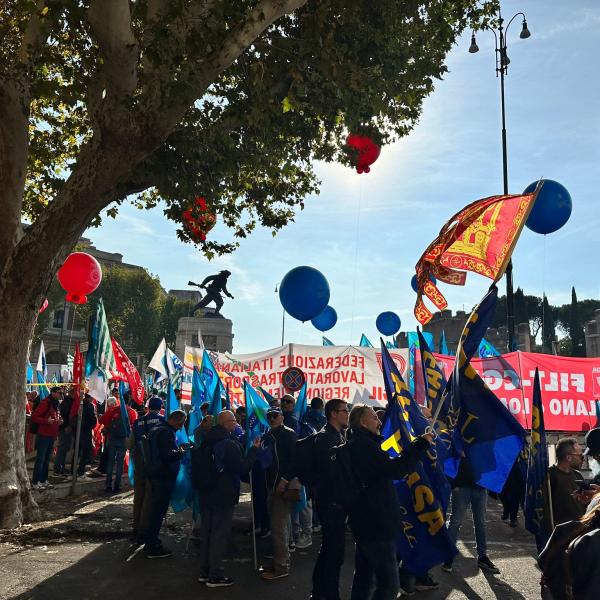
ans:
(155, 403)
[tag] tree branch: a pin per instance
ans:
(33, 36)
(111, 23)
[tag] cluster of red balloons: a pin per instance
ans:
(198, 220)
(80, 275)
(363, 152)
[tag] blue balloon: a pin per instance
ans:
(325, 320)
(388, 323)
(304, 293)
(413, 282)
(552, 207)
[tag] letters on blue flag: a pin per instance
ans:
(256, 414)
(424, 541)
(485, 431)
(537, 473)
(487, 349)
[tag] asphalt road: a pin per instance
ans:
(82, 552)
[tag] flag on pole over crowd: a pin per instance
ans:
(480, 238)
(537, 472)
(443, 347)
(424, 541)
(127, 370)
(268, 397)
(41, 366)
(256, 414)
(486, 433)
(301, 405)
(100, 355)
(327, 342)
(364, 342)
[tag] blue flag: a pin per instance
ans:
(198, 398)
(216, 402)
(123, 408)
(227, 398)
(182, 496)
(268, 397)
(172, 402)
(443, 347)
(43, 388)
(413, 345)
(424, 541)
(537, 473)
(486, 349)
(364, 342)
(210, 377)
(256, 414)
(327, 342)
(485, 431)
(301, 405)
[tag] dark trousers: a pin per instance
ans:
(85, 452)
(43, 445)
(65, 441)
(375, 571)
(215, 528)
(260, 497)
(510, 505)
(142, 500)
(159, 504)
(210, 297)
(326, 574)
(116, 458)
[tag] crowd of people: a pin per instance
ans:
(290, 506)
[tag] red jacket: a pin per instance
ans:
(46, 410)
(115, 413)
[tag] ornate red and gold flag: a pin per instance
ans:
(479, 238)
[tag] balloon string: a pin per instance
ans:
(355, 260)
(544, 293)
(71, 331)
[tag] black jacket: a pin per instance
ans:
(65, 410)
(326, 439)
(89, 419)
(585, 565)
(230, 457)
(464, 477)
(282, 440)
(377, 517)
(166, 456)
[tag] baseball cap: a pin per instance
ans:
(592, 442)
(272, 412)
(155, 403)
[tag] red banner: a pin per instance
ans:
(129, 373)
(570, 386)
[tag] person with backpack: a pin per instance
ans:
(373, 509)
(284, 489)
(66, 435)
(217, 466)
(141, 486)
(117, 434)
(162, 460)
(332, 515)
(45, 421)
(570, 562)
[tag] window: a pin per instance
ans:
(59, 318)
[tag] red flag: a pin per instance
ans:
(129, 373)
(77, 377)
(479, 238)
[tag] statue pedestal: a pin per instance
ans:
(217, 333)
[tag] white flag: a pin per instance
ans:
(200, 340)
(158, 362)
(42, 367)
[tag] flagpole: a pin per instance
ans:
(77, 441)
(550, 507)
(253, 523)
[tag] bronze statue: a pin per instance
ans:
(214, 285)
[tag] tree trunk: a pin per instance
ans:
(16, 326)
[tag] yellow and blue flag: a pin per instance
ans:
(424, 541)
(485, 432)
(537, 473)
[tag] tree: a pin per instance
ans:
(548, 326)
(103, 100)
(576, 332)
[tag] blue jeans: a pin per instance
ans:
(43, 445)
(375, 565)
(116, 457)
(477, 498)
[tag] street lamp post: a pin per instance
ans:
(502, 62)
(282, 319)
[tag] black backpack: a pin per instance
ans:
(345, 484)
(306, 468)
(206, 467)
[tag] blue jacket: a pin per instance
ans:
(315, 418)
(144, 425)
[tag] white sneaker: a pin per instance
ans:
(37, 486)
(304, 541)
(47, 485)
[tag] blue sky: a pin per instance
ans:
(366, 232)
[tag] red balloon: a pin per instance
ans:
(44, 305)
(364, 152)
(80, 274)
